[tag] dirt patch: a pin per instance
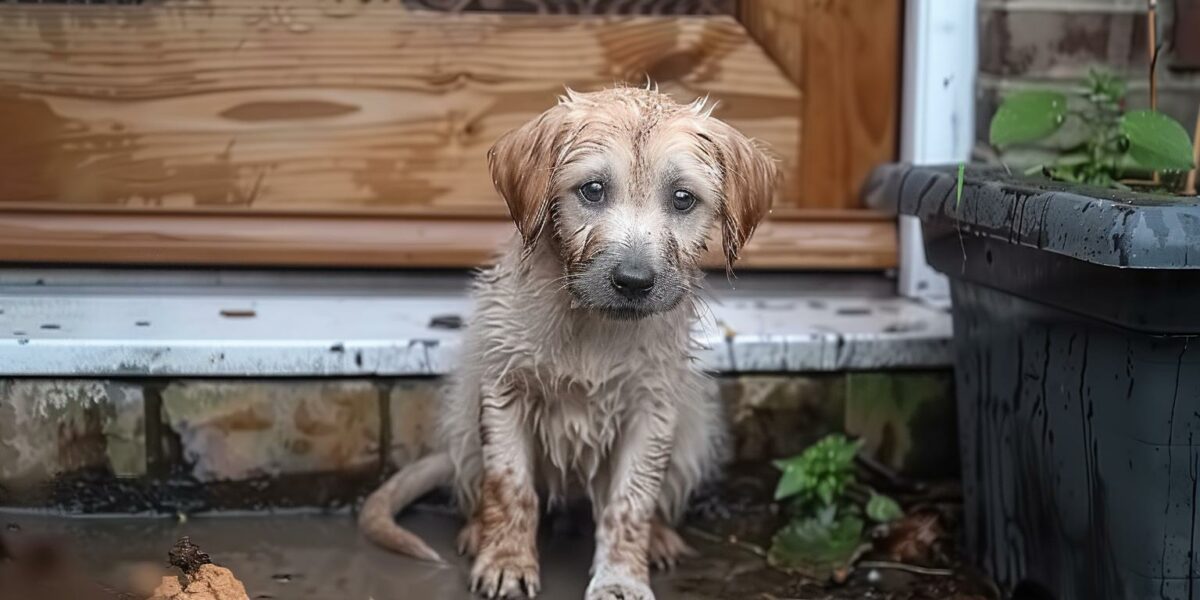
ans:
(41, 567)
(730, 525)
(916, 558)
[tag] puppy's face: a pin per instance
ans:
(625, 185)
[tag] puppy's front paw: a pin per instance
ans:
(505, 574)
(617, 587)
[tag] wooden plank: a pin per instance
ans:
(317, 105)
(581, 7)
(1185, 50)
(824, 241)
(779, 26)
(845, 56)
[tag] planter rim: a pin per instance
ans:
(1111, 228)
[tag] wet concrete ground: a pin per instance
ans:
(294, 556)
(321, 557)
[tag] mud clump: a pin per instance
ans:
(187, 557)
(202, 580)
(209, 582)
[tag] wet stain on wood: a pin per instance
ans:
(177, 105)
(287, 110)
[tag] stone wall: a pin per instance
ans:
(1054, 43)
(191, 445)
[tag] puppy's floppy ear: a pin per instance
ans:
(523, 163)
(748, 178)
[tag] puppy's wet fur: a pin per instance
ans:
(577, 375)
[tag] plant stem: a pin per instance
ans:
(877, 468)
(884, 564)
(731, 540)
(1191, 178)
(1152, 37)
(858, 493)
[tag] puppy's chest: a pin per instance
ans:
(577, 426)
(579, 399)
(569, 397)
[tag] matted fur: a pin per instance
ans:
(565, 387)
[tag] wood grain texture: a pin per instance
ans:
(326, 105)
(818, 240)
(582, 7)
(541, 7)
(845, 55)
(1185, 42)
(779, 27)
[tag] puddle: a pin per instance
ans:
(304, 557)
(322, 557)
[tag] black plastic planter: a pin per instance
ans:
(1076, 313)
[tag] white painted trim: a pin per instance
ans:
(938, 116)
(1074, 6)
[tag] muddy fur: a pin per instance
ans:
(569, 383)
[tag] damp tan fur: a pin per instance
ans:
(577, 376)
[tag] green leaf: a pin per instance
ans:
(794, 480)
(1157, 141)
(1028, 116)
(1065, 174)
(819, 474)
(850, 451)
(826, 491)
(883, 509)
(784, 464)
(1105, 86)
(827, 516)
(815, 547)
(1073, 159)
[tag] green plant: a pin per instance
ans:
(828, 509)
(1103, 144)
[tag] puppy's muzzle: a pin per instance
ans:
(633, 278)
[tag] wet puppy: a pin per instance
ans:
(577, 375)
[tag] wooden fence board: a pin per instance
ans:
(317, 104)
(845, 56)
(820, 241)
(350, 133)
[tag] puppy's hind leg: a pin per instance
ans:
(667, 548)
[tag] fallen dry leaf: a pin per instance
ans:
(915, 539)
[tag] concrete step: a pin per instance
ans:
(132, 324)
(190, 391)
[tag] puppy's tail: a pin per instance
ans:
(378, 517)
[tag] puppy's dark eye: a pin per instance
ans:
(683, 200)
(592, 191)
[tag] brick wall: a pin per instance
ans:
(1055, 42)
(191, 445)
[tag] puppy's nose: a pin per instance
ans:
(633, 278)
